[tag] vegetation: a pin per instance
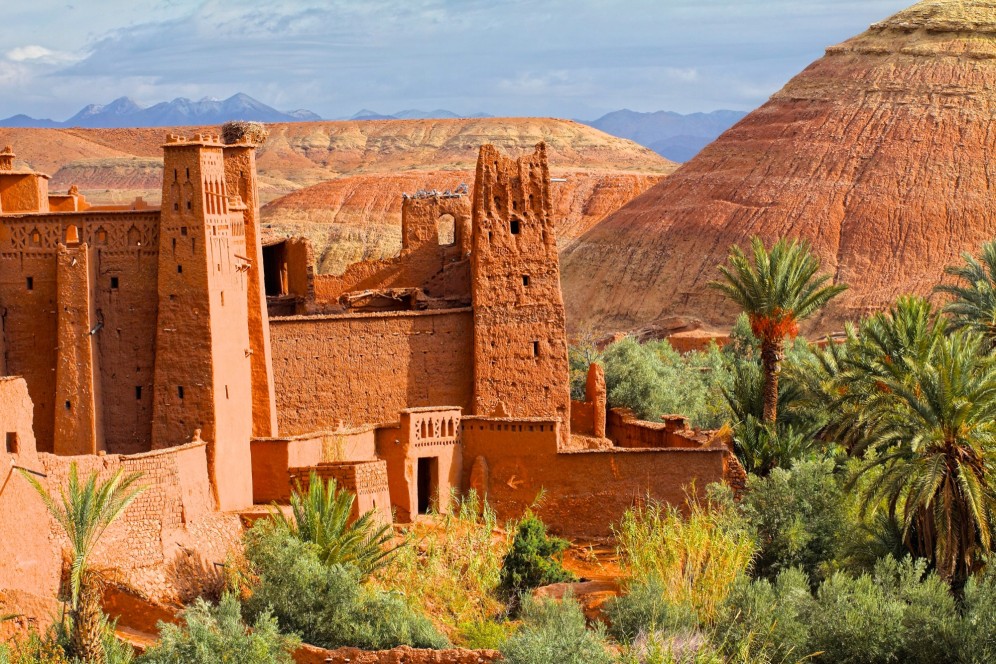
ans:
(217, 634)
(776, 288)
(451, 568)
(535, 559)
(84, 511)
(322, 517)
(554, 632)
(973, 293)
(327, 605)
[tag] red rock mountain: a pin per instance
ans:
(881, 154)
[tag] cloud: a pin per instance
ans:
(40, 54)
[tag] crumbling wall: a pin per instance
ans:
(585, 492)
(627, 430)
(366, 480)
(365, 368)
(426, 261)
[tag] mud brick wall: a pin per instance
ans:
(366, 368)
(367, 480)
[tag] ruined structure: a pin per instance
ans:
(879, 154)
(178, 342)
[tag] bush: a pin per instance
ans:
(555, 633)
(694, 560)
(35, 649)
(896, 614)
(217, 634)
(326, 604)
(535, 559)
(451, 567)
(653, 380)
(484, 634)
(645, 609)
(977, 638)
(799, 518)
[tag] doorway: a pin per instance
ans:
(427, 480)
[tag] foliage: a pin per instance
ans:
(535, 559)
(84, 511)
(799, 518)
(581, 353)
(322, 517)
(896, 614)
(34, 649)
(484, 634)
(554, 632)
(776, 289)
(327, 605)
(763, 447)
(653, 380)
(694, 560)
(976, 636)
(217, 634)
(973, 293)
(451, 566)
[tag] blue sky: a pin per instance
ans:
(563, 58)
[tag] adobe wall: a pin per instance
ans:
(164, 547)
(311, 655)
(272, 457)
(519, 322)
(626, 430)
(586, 492)
(123, 253)
(23, 191)
(365, 368)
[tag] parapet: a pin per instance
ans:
(7, 159)
(207, 140)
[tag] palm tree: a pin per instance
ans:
(776, 289)
(929, 430)
(85, 510)
(973, 303)
(322, 516)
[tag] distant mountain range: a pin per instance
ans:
(672, 135)
(124, 112)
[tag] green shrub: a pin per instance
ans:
(484, 634)
(217, 634)
(322, 517)
(653, 380)
(35, 649)
(684, 647)
(976, 635)
(645, 609)
(554, 632)
(799, 518)
(326, 604)
(535, 559)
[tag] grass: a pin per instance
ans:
(451, 569)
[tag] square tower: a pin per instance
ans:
(203, 369)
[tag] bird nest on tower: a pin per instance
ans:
(241, 131)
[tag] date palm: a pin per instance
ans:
(322, 515)
(973, 293)
(929, 430)
(84, 510)
(776, 288)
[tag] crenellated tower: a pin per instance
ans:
(203, 365)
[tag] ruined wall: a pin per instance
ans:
(122, 300)
(520, 344)
(586, 492)
(366, 368)
(203, 376)
(425, 253)
(23, 191)
(627, 430)
(366, 480)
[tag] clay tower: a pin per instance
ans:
(520, 348)
(203, 370)
(881, 154)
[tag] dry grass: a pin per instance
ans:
(696, 558)
(451, 567)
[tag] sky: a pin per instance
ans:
(561, 58)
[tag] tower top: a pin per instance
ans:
(7, 159)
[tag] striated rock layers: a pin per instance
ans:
(358, 217)
(880, 154)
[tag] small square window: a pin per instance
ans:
(179, 269)
(514, 226)
(190, 205)
(30, 283)
(138, 392)
(114, 283)
(179, 391)
(525, 280)
(176, 207)
(69, 405)
(13, 443)
(535, 349)
(183, 231)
